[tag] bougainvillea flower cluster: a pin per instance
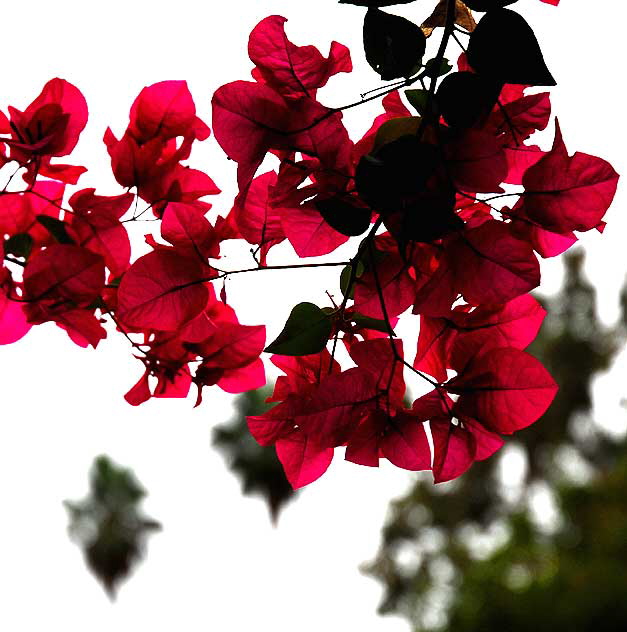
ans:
(450, 198)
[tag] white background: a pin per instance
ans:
(219, 564)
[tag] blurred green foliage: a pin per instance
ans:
(109, 525)
(257, 467)
(573, 580)
(535, 539)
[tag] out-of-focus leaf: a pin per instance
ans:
(108, 523)
(257, 468)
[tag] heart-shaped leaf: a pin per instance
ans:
(464, 98)
(306, 331)
(503, 47)
(394, 46)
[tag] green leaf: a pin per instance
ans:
(345, 278)
(56, 228)
(418, 99)
(306, 331)
(394, 129)
(433, 70)
(19, 245)
(370, 323)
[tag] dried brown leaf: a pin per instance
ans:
(463, 17)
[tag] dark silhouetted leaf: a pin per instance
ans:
(430, 218)
(394, 46)
(464, 98)
(19, 245)
(395, 128)
(306, 331)
(503, 47)
(436, 69)
(344, 217)
(398, 170)
(56, 228)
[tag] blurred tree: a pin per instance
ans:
(535, 539)
(257, 468)
(109, 525)
(573, 580)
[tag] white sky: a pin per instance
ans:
(219, 564)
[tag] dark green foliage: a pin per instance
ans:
(574, 580)
(418, 98)
(565, 574)
(345, 278)
(370, 323)
(109, 525)
(306, 331)
(257, 467)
